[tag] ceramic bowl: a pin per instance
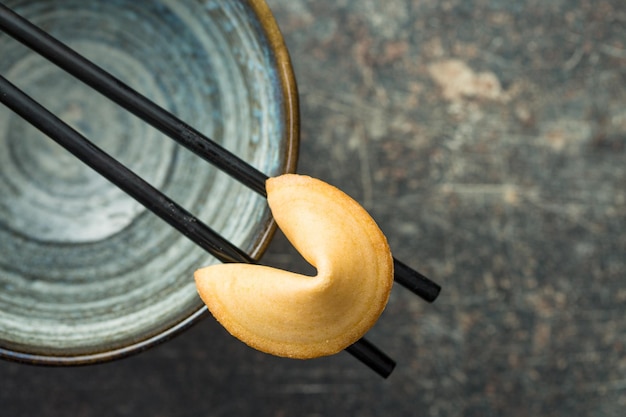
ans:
(86, 273)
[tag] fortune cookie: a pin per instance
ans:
(298, 316)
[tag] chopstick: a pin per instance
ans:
(117, 91)
(175, 215)
(119, 174)
(100, 80)
(152, 198)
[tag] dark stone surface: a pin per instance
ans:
(488, 138)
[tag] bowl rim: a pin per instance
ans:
(291, 134)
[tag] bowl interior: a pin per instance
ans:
(87, 273)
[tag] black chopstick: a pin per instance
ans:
(377, 360)
(120, 93)
(100, 80)
(151, 198)
(118, 174)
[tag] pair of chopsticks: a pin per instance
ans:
(67, 59)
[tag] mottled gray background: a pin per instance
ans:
(488, 138)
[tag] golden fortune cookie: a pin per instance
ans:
(298, 316)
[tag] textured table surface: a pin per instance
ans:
(488, 139)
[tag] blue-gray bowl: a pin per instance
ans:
(86, 273)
